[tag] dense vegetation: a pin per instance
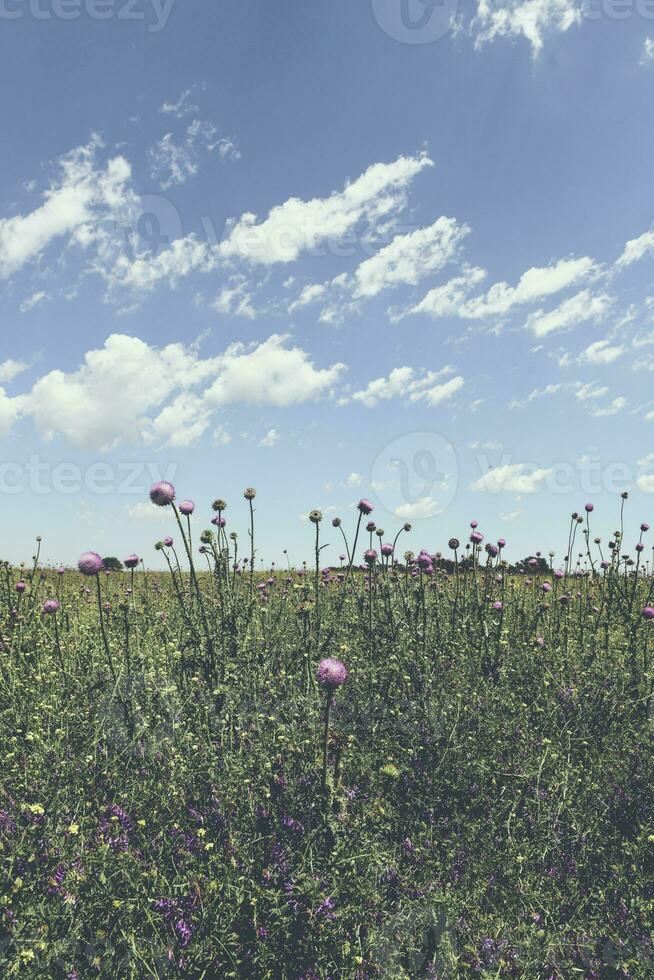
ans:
(183, 794)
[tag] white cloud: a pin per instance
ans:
(645, 483)
(269, 374)
(354, 480)
(147, 511)
(235, 298)
(647, 56)
(423, 508)
(174, 162)
(536, 283)
(11, 369)
(297, 226)
(221, 436)
(269, 440)
(636, 249)
(10, 409)
(601, 352)
(411, 257)
(531, 19)
(309, 294)
(34, 300)
(405, 383)
(585, 392)
(580, 308)
(449, 299)
(74, 207)
(511, 478)
(130, 392)
(183, 106)
(290, 229)
(616, 406)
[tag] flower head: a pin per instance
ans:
(331, 673)
(50, 606)
(162, 493)
(90, 563)
(132, 561)
(365, 507)
(187, 507)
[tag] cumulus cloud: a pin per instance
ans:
(128, 391)
(511, 478)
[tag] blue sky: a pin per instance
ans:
(328, 252)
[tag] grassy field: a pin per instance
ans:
(184, 793)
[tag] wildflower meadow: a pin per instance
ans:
(408, 763)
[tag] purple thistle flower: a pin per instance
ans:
(168, 542)
(187, 507)
(132, 561)
(162, 493)
(365, 507)
(20, 586)
(50, 606)
(331, 673)
(90, 563)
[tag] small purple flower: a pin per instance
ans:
(498, 606)
(648, 612)
(187, 507)
(168, 542)
(387, 550)
(331, 673)
(162, 493)
(589, 508)
(476, 537)
(454, 543)
(90, 563)
(20, 586)
(50, 607)
(132, 561)
(370, 556)
(365, 507)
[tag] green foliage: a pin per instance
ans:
(489, 809)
